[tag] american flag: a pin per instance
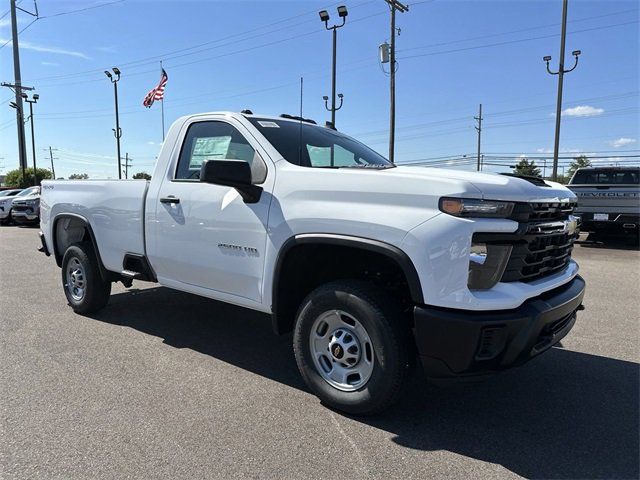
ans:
(156, 93)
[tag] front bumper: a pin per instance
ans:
(464, 343)
(25, 217)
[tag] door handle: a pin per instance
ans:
(169, 199)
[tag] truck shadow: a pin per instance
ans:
(564, 415)
(609, 241)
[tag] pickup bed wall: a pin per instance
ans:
(113, 208)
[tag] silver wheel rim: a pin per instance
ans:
(342, 351)
(75, 279)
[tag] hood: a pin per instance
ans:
(489, 186)
(35, 196)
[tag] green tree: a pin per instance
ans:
(14, 177)
(579, 162)
(526, 167)
(141, 175)
(78, 176)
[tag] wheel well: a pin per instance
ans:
(304, 267)
(68, 230)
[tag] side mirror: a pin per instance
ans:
(232, 173)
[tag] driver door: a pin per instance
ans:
(206, 236)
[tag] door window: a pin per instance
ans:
(216, 141)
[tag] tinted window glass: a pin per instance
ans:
(313, 146)
(607, 177)
(211, 141)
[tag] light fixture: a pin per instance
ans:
(575, 53)
(547, 58)
(342, 11)
(116, 70)
(108, 73)
(36, 96)
(324, 15)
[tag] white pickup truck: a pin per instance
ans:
(371, 265)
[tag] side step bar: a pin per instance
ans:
(136, 267)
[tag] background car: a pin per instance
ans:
(25, 207)
(6, 197)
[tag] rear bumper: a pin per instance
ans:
(463, 343)
(617, 221)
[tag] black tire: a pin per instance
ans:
(6, 221)
(96, 291)
(389, 334)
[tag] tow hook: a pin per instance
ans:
(580, 308)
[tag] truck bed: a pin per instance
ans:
(114, 209)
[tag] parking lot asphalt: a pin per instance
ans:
(162, 384)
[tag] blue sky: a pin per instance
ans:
(232, 55)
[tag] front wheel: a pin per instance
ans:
(352, 347)
(84, 287)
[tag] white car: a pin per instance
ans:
(25, 207)
(369, 264)
(6, 198)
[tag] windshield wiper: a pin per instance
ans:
(373, 166)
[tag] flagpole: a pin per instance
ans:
(162, 105)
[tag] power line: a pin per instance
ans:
(70, 12)
(508, 42)
(172, 53)
(481, 37)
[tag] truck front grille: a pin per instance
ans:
(542, 244)
(542, 211)
(538, 255)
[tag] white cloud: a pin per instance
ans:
(50, 64)
(582, 111)
(622, 142)
(41, 48)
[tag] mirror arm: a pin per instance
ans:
(250, 193)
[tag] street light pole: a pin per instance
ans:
(561, 71)
(324, 17)
(31, 101)
(117, 132)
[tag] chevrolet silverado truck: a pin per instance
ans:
(370, 265)
(608, 199)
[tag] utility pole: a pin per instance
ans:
(53, 170)
(17, 86)
(31, 101)
(561, 71)
(479, 129)
(117, 132)
(324, 17)
(127, 164)
(393, 5)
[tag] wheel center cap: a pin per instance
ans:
(337, 351)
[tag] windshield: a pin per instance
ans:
(313, 146)
(9, 193)
(616, 176)
(29, 191)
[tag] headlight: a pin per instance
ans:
(474, 208)
(486, 264)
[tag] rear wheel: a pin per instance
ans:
(352, 346)
(84, 287)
